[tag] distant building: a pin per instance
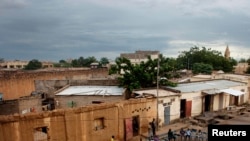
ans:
(140, 56)
(18, 64)
(94, 65)
(241, 68)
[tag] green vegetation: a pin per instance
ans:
(208, 57)
(33, 65)
(144, 74)
(81, 62)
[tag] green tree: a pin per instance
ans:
(63, 64)
(206, 56)
(202, 68)
(33, 65)
(144, 74)
(90, 60)
(104, 61)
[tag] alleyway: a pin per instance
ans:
(234, 115)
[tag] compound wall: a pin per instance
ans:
(16, 84)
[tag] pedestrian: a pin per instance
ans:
(188, 134)
(171, 135)
(153, 126)
(199, 135)
(150, 132)
(182, 133)
(112, 138)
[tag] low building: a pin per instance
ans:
(168, 104)
(194, 98)
(18, 64)
(77, 96)
(140, 56)
(210, 95)
(23, 105)
(125, 120)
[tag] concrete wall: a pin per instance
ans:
(30, 104)
(9, 107)
(78, 124)
(21, 106)
(174, 103)
(79, 101)
(196, 98)
(15, 84)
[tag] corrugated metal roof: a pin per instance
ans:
(205, 85)
(161, 93)
(232, 92)
(92, 90)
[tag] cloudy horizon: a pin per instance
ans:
(63, 29)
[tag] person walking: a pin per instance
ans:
(112, 138)
(153, 126)
(150, 132)
(182, 133)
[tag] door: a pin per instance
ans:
(188, 108)
(128, 128)
(167, 115)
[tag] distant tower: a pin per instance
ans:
(227, 53)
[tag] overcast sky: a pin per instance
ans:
(62, 29)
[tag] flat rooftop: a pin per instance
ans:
(91, 90)
(205, 85)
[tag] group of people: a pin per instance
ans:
(187, 134)
(184, 134)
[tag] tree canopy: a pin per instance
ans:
(187, 59)
(144, 74)
(33, 65)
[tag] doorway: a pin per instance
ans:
(135, 125)
(183, 108)
(207, 103)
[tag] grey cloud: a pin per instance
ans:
(62, 29)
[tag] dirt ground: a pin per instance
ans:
(236, 115)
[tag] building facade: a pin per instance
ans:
(17, 64)
(125, 120)
(140, 56)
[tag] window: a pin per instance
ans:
(72, 104)
(99, 123)
(41, 133)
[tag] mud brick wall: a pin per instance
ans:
(16, 84)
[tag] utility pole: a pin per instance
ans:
(157, 91)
